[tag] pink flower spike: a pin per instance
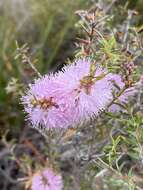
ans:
(47, 180)
(69, 97)
(46, 104)
(90, 94)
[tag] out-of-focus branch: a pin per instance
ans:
(129, 18)
(110, 6)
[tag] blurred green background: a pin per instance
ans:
(48, 28)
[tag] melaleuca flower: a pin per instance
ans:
(47, 180)
(123, 99)
(77, 93)
(88, 85)
(46, 104)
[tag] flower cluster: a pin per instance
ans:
(47, 180)
(77, 93)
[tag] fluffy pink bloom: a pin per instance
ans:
(70, 96)
(90, 95)
(124, 98)
(47, 180)
(46, 104)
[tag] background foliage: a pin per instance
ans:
(48, 27)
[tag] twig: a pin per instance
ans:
(33, 148)
(139, 41)
(117, 96)
(129, 18)
(8, 177)
(32, 66)
(110, 6)
(23, 53)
